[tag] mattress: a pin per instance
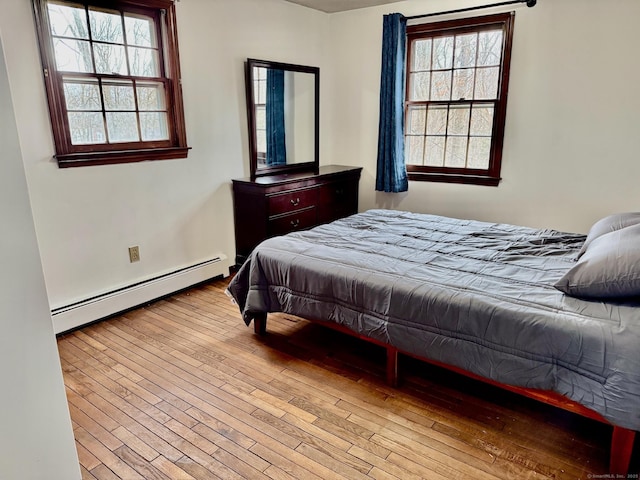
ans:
(475, 295)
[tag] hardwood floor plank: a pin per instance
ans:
(289, 464)
(85, 474)
(331, 462)
(231, 447)
(87, 459)
(181, 389)
(139, 464)
(170, 469)
(102, 472)
(98, 431)
(276, 474)
(300, 430)
(353, 438)
(136, 444)
(242, 440)
(143, 426)
(85, 406)
(106, 456)
(196, 470)
(438, 462)
(383, 464)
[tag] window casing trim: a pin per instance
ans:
(68, 155)
(491, 175)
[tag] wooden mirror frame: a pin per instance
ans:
(312, 165)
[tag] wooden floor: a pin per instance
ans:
(182, 389)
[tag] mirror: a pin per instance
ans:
(283, 115)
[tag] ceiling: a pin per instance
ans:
(332, 6)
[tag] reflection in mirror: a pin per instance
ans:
(282, 104)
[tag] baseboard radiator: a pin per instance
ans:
(104, 305)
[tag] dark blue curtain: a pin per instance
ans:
(391, 173)
(276, 148)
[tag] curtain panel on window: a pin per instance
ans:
(391, 173)
(276, 144)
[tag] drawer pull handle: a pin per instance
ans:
(295, 202)
(339, 191)
(295, 223)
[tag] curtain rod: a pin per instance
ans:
(530, 3)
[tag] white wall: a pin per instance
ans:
(572, 133)
(178, 211)
(36, 439)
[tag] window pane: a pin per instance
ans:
(463, 84)
(490, 48)
(465, 54)
(118, 95)
(442, 52)
(151, 96)
(261, 118)
(459, 120)
(110, 59)
(262, 141)
(144, 62)
(260, 91)
(422, 55)
(106, 26)
(482, 120)
(415, 150)
(434, 152)
(417, 120)
(86, 128)
(456, 154)
(80, 94)
(487, 82)
(437, 120)
(73, 55)
(122, 127)
(140, 30)
(68, 21)
(420, 86)
(479, 151)
(153, 126)
(441, 86)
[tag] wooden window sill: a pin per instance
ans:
(120, 156)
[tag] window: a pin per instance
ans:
(457, 80)
(260, 96)
(112, 79)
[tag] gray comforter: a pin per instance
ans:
(475, 295)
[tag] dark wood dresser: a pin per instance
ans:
(274, 205)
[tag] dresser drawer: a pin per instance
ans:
(294, 200)
(298, 220)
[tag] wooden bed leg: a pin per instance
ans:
(260, 324)
(621, 449)
(392, 366)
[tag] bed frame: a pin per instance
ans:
(622, 439)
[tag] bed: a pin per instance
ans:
(479, 298)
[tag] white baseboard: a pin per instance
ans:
(95, 308)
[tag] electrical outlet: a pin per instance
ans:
(134, 254)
